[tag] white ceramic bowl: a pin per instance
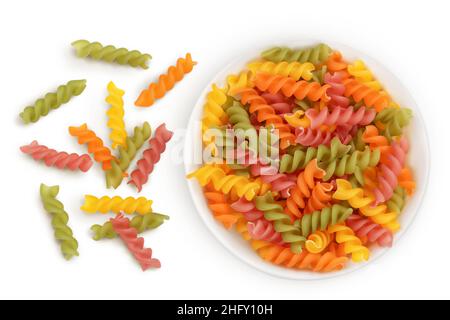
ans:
(418, 159)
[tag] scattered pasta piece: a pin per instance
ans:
(150, 157)
(60, 219)
(115, 115)
(52, 101)
(135, 244)
(58, 159)
(109, 53)
(117, 204)
(166, 82)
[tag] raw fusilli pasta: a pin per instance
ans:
(52, 101)
(109, 53)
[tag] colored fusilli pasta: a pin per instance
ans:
(52, 101)
(321, 175)
(109, 53)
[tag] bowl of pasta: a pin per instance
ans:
(306, 160)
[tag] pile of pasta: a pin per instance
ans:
(114, 164)
(341, 179)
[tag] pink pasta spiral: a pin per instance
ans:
(262, 229)
(281, 182)
(336, 91)
(366, 228)
(340, 116)
(135, 244)
(279, 103)
(389, 169)
(312, 137)
(260, 169)
(60, 160)
(150, 157)
(248, 209)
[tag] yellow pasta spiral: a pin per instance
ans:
(116, 204)
(241, 80)
(352, 244)
(115, 115)
(226, 183)
(213, 113)
(379, 215)
(317, 241)
(356, 198)
(359, 70)
(297, 119)
(294, 69)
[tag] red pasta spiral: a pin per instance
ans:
(312, 137)
(95, 145)
(365, 228)
(259, 169)
(281, 182)
(135, 244)
(60, 160)
(336, 91)
(289, 87)
(389, 169)
(262, 229)
(279, 103)
(340, 116)
(150, 157)
(248, 209)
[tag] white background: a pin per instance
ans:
(407, 37)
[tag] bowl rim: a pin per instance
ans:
(263, 266)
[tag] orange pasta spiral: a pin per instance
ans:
(289, 87)
(361, 92)
(167, 81)
(372, 136)
(220, 207)
(406, 180)
(332, 260)
(265, 113)
(301, 195)
(95, 145)
(335, 63)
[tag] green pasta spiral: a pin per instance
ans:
(394, 120)
(52, 101)
(239, 117)
(321, 220)
(141, 223)
(397, 201)
(357, 142)
(114, 176)
(60, 218)
(302, 105)
(316, 55)
(299, 157)
(240, 170)
(110, 53)
(281, 221)
(319, 75)
(353, 163)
